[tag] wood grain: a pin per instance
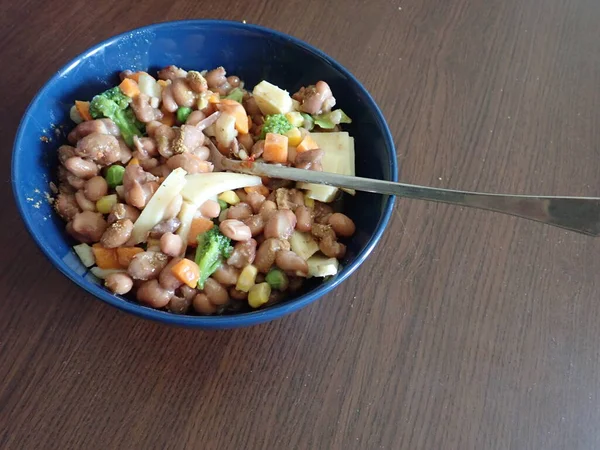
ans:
(463, 330)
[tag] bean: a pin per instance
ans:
(195, 118)
(152, 294)
(171, 244)
(267, 209)
(304, 218)
(190, 163)
(235, 230)
(196, 81)
(187, 292)
(243, 254)
(83, 202)
(65, 152)
(281, 225)
(322, 212)
(258, 148)
(233, 81)
(266, 253)
(289, 198)
(171, 72)
(123, 211)
(182, 93)
(309, 160)
(251, 107)
(66, 206)
(166, 278)
(147, 265)
(168, 99)
(117, 234)
(88, 226)
(81, 168)
(246, 140)
(143, 110)
(241, 211)
(226, 275)
(223, 89)
(342, 224)
(173, 208)
(74, 181)
(216, 293)
(101, 148)
(332, 249)
(119, 283)
(202, 304)
(237, 295)
(256, 224)
(202, 153)
(179, 305)
(151, 127)
(215, 77)
(290, 262)
(255, 200)
(210, 209)
(96, 188)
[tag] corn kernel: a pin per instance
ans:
(105, 204)
(259, 295)
(229, 197)
(295, 118)
(294, 137)
(309, 202)
(247, 278)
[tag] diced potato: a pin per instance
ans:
(247, 278)
(309, 202)
(271, 99)
(154, 211)
(338, 157)
(85, 254)
(258, 295)
(105, 204)
(74, 115)
(229, 197)
(321, 266)
(149, 86)
(225, 131)
(295, 105)
(295, 118)
(303, 244)
(103, 273)
(294, 137)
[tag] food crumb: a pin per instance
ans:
(44, 139)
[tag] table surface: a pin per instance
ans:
(464, 329)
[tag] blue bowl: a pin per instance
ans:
(254, 53)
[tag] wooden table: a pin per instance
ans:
(463, 330)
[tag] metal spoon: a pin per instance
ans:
(579, 214)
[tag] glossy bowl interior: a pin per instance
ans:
(251, 52)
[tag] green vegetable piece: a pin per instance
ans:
(114, 176)
(236, 94)
(183, 113)
(329, 120)
(114, 105)
(277, 279)
(309, 122)
(212, 248)
(275, 123)
(223, 204)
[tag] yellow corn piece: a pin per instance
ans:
(259, 295)
(133, 162)
(247, 278)
(309, 202)
(295, 118)
(229, 197)
(294, 137)
(105, 204)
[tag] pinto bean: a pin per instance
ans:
(152, 294)
(258, 148)
(215, 78)
(123, 211)
(168, 99)
(290, 262)
(243, 254)
(309, 160)
(342, 224)
(255, 200)
(179, 305)
(143, 109)
(65, 152)
(267, 251)
(210, 209)
(83, 202)
(190, 163)
(171, 72)
(166, 226)
(147, 265)
(216, 293)
(81, 168)
(101, 148)
(87, 226)
(182, 93)
(281, 225)
(117, 233)
(235, 230)
(304, 218)
(195, 118)
(166, 278)
(66, 206)
(226, 275)
(203, 305)
(322, 212)
(171, 244)
(241, 211)
(95, 188)
(237, 295)
(267, 209)
(289, 198)
(118, 283)
(196, 81)
(256, 224)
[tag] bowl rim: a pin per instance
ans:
(191, 321)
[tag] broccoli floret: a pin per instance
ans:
(236, 94)
(275, 123)
(329, 120)
(114, 105)
(212, 247)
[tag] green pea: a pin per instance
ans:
(277, 279)
(114, 176)
(223, 204)
(183, 113)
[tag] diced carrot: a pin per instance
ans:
(261, 189)
(129, 87)
(133, 162)
(187, 272)
(126, 254)
(162, 83)
(308, 143)
(83, 108)
(236, 110)
(168, 117)
(276, 148)
(199, 225)
(106, 258)
(214, 98)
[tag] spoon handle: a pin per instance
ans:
(580, 214)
